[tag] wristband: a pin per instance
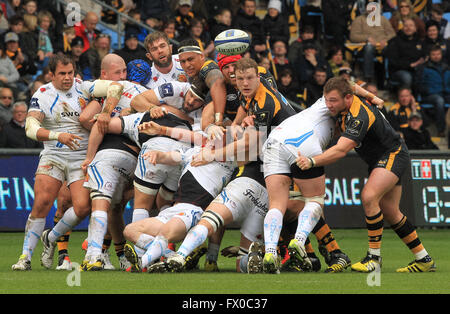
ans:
(217, 117)
(53, 136)
(313, 162)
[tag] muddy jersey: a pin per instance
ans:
(62, 111)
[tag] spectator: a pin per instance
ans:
(247, 20)
(399, 112)
(45, 48)
(86, 29)
(132, 50)
(433, 81)
(3, 22)
(90, 60)
(289, 87)
(436, 15)
(336, 16)
(27, 40)
(6, 99)
(404, 54)
(280, 56)
(296, 47)
(67, 38)
(168, 27)
(220, 23)
(447, 119)
(132, 27)
(263, 60)
(336, 59)
(109, 16)
(13, 134)
(30, 14)
(406, 12)
(275, 24)
(183, 18)
(416, 137)
(9, 75)
(375, 38)
(154, 9)
(198, 33)
(77, 47)
(306, 63)
(13, 8)
(433, 38)
(20, 59)
(314, 87)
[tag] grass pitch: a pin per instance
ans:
(227, 281)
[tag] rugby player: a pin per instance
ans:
(367, 131)
(166, 67)
(53, 118)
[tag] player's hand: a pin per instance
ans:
(69, 139)
(214, 132)
(151, 156)
(303, 162)
(378, 102)
(150, 128)
(204, 157)
(157, 112)
(103, 122)
(248, 121)
(230, 251)
(236, 132)
(86, 164)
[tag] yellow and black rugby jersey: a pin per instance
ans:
(207, 67)
(253, 170)
(263, 73)
(269, 107)
(366, 125)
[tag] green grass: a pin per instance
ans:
(353, 242)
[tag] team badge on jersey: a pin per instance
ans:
(354, 127)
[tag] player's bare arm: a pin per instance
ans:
(35, 131)
(216, 83)
(331, 155)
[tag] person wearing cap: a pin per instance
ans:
(132, 49)
(275, 24)
(20, 59)
(416, 137)
(195, 65)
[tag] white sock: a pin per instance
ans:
(307, 220)
(155, 251)
(67, 223)
(376, 252)
(98, 226)
(421, 254)
(143, 243)
(213, 252)
(273, 222)
(33, 232)
(140, 214)
(195, 237)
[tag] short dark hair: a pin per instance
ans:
(339, 84)
(435, 48)
(64, 59)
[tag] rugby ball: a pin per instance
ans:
(232, 42)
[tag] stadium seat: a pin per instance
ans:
(387, 15)
(446, 16)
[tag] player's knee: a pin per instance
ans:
(214, 220)
(129, 231)
(369, 198)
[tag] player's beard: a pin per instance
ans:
(160, 64)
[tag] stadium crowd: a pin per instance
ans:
(406, 55)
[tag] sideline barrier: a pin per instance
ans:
(425, 199)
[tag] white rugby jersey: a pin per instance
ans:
(130, 90)
(172, 94)
(176, 74)
(62, 111)
(296, 129)
(213, 177)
